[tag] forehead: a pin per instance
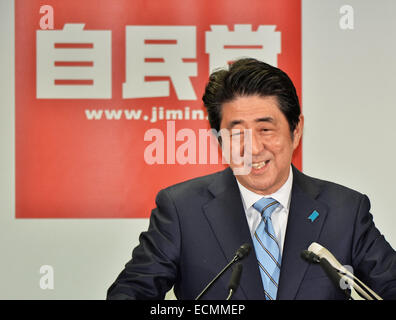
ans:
(247, 109)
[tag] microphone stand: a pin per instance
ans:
(336, 275)
(242, 252)
(217, 277)
(358, 287)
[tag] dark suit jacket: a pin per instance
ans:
(199, 224)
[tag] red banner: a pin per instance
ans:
(108, 95)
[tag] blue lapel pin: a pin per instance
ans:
(313, 216)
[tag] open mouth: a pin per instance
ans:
(259, 165)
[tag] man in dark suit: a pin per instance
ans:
(199, 224)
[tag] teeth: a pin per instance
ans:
(259, 165)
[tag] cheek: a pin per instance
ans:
(281, 148)
(274, 144)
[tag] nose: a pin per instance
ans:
(254, 144)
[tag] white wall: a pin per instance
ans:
(349, 100)
(349, 138)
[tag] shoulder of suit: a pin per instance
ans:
(196, 186)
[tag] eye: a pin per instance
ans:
(236, 132)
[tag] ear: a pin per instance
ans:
(298, 131)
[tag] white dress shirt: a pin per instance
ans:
(280, 214)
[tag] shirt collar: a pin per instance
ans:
(282, 195)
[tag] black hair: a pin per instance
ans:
(248, 77)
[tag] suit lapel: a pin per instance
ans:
(300, 233)
(226, 216)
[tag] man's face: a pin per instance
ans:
(272, 143)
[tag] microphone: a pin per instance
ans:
(310, 256)
(234, 280)
(331, 272)
(358, 287)
(241, 253)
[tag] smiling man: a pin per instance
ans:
(199, 224)
(272, 142)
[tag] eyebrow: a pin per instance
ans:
(264, 119)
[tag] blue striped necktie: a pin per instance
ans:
(267, 248)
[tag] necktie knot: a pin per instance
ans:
(266, 206)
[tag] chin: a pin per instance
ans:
(262, 187)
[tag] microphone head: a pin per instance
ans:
(243, 251)
(310, 256)
(322, 252)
